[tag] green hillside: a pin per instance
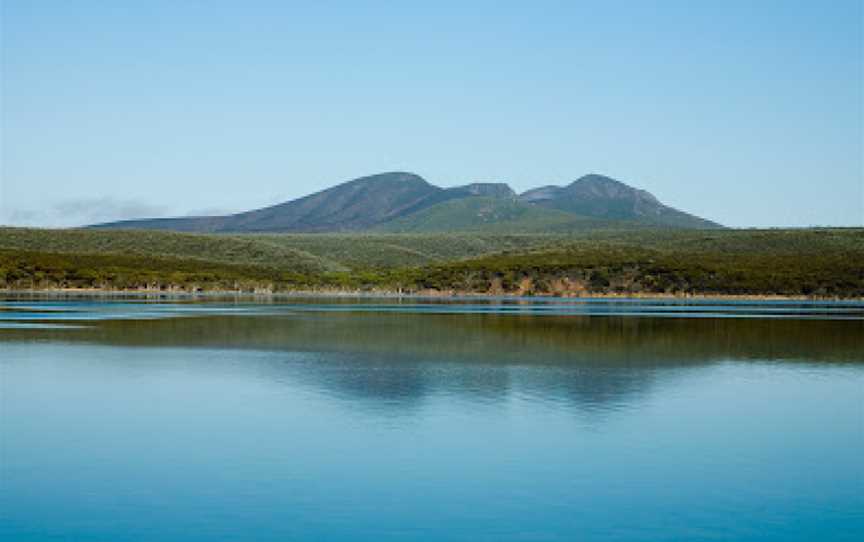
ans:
(213, 248)
(382, 250)
(499, 215)
(767, 262)
(313, 253)
(812, 262)
(24, 269)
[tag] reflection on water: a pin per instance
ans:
(564, 330)
(423, 420)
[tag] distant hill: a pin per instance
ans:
(350, 206)
(405, 202)
(602, 197)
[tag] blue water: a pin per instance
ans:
(426, 420)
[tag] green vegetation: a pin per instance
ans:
(367, 251)
(36, 270)
(816, 262)
(610, 269)
(212, 248)
(492, 215)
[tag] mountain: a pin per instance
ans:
(490, 214)
(405, 202)
(602, 197)
(351, 206)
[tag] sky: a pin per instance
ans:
(749, 113)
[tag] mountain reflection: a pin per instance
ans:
(400, 384)
(489, 338)
(392, 359)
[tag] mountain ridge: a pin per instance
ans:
(405, 201)
(603, 197)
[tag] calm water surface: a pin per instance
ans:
(148, 419)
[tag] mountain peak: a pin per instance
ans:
(595, 185)
(596, 178)
(598, 196)
(394, 177)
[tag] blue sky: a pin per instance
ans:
(749, 113)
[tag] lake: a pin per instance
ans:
(153, 418)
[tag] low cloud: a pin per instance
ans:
(87, 211)
(82, 212)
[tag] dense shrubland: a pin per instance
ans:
(817, 263)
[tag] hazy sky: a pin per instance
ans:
(749, 113)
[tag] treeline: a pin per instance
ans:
(597, 269)
(607, 270)
(39, 270)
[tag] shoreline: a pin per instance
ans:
(426, 294)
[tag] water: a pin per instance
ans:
(148, 419)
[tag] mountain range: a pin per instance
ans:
(405, 202)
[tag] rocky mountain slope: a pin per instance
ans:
(602, 197)
(405, 202)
